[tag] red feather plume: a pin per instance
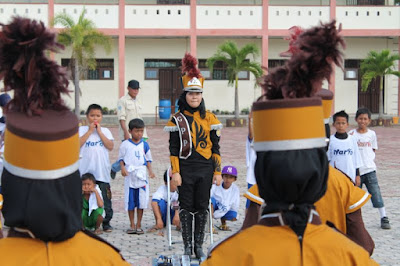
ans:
(294, 31)
(189, 66)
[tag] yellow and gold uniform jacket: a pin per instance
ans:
(78, 250)
(266, 244)
(205, 134)
(341, 198)
(1, 205)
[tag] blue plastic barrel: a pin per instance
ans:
(165, 109)
(176, 106)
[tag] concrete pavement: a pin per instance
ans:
(139, 249)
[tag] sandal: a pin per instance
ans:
(131, 231)
(98, 231)
(224, 227)
(154, 229)
(139, 231)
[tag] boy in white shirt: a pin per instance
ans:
(368, 144)
(159, 205)
(96, 141)
(225, 198)
(343, 153)
(134, 158)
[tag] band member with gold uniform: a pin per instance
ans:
(194, 154)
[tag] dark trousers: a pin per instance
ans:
(194, 193)
(106, 193)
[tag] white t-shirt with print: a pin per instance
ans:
(227, 199)
(367, 143)
(344, 155)
(135, 157)
(251, 157)
(162, 194)
(94, 155)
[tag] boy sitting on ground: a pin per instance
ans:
(225, 198)
(92, 210)
(160, 207)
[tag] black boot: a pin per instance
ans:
(186, 220)
(200, 220)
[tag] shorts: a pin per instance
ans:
(162, 204)
(230, 215)
(90, 221)
(137, 198)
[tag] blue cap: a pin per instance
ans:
(4, 99)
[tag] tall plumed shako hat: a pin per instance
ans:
(41, 184)
(192, 80)
(288, 124)
(327, 101)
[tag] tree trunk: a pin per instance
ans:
(236, 97)
(381, 97)
(77, 89)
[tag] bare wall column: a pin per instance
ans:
(265, 36)
(193, 28)
(333, 75)
(121, 49)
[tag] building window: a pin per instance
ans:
(173, 2)
(151, 67)
(104, 69)
(351, 69)
(275, 63)
(220, 71)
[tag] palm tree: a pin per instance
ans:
(236, 61)
(82, 36)
(378, 65)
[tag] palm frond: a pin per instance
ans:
(367, 78)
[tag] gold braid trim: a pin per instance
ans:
(216, 158)
(174, 164)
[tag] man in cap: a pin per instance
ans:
(129, 107)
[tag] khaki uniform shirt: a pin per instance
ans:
(128, 109)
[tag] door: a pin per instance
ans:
(370, 98)
(170, 85)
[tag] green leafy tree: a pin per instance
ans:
(82, 36)
(378, 65)
(236, 61)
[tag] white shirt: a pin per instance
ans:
(129, 108)
(251, 157)
(227, 199)
(162, 194)
(135, 156)
(94, 155)
(344, 155)
(367, 143)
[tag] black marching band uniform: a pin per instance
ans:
(194, 153)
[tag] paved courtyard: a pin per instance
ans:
(139, 249)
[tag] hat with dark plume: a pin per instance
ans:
(40, 182)
(292, 168)
(192, 79)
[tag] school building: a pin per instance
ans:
(150, 38)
